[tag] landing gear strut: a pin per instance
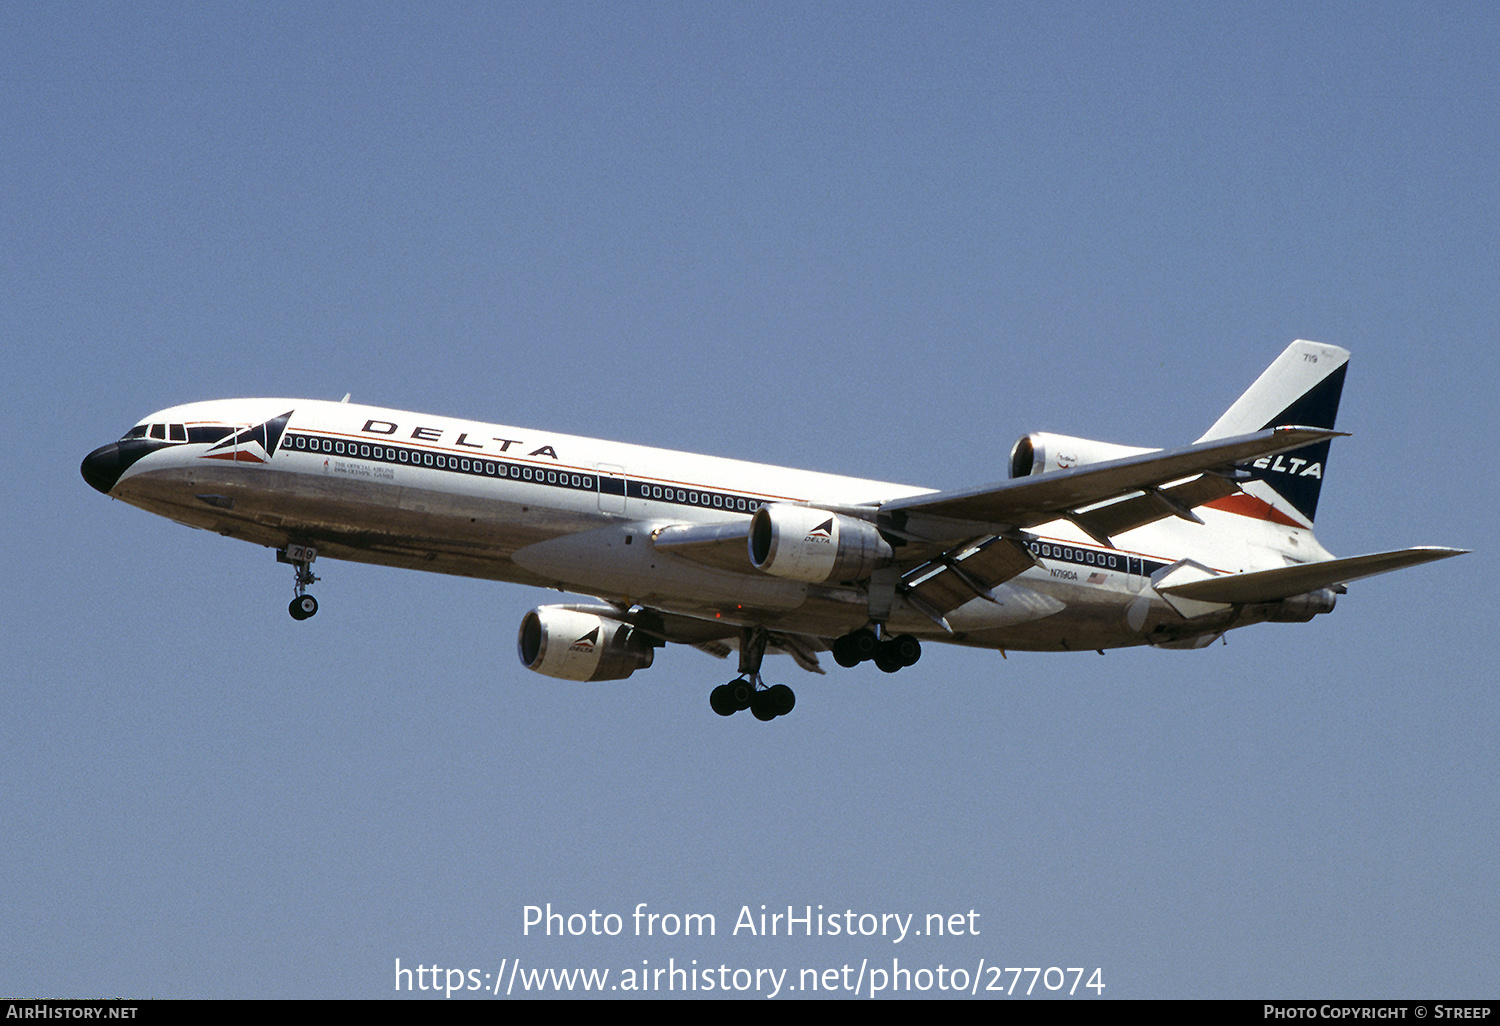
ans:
(747, 691)
(303, 605)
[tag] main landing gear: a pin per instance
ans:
(889, 654)
(747, 691)
(764, 703)
(303, 605)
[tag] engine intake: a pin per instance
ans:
(814, 545)
(575, 645)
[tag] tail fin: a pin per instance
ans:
(1302, 387)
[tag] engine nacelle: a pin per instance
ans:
(575, 645)
(1302, 608)
(814, 545)
(1042, 452)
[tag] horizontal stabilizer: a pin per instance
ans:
(1282, 583)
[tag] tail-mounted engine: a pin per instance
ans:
(576, 645)
(814, 545)
(1042, 452)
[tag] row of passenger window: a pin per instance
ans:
(1069, 554)
(515, 471)
(692, 497)
(438, 461)
(1091, 557)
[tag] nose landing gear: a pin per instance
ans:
(303, 605)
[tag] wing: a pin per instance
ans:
(1102, 499)
(1024, 502)
(723, 546)
(960, 545)
(716, 638)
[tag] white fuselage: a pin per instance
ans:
(578, 514)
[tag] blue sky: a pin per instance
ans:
(882, 240)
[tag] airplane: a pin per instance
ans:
(1087, 545)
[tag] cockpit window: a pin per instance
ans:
(174, 433)
(179, 432)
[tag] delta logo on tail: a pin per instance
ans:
(1295, 477)
(1298, 475)
(254, 444)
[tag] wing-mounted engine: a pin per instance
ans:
(575, 645)
(813, 545)
(1042, 452)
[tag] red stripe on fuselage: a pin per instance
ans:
(237, 457)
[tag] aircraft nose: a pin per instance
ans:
(103, 467)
